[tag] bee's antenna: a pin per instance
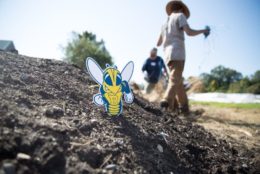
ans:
(107, 65)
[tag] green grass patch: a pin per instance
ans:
(229, 105)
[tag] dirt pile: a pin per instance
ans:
(196, 85)
(48, 124)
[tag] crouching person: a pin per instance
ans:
(154, 67)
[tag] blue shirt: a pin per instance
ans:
(154, 67)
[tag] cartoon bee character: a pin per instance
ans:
(113, 85)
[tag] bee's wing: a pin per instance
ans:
(94, 70)
(127, 72)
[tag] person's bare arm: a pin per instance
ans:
(160, 40)
(191, 32)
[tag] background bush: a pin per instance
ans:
(222, 79)
(86, 45)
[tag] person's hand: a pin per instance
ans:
(206, 31)
(165, 74)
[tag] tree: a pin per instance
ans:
(225, 79)
(255, 89)
(225, 76)
(239, 86)
(86, 45)
(209, 82)
(256, 77)
(220, 78)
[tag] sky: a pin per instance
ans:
(130, 28)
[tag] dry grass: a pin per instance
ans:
(240, 124)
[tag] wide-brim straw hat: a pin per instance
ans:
(169, 5)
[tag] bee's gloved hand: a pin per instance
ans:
(98, 99)
(128, 95)
(129, 98)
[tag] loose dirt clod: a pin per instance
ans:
(48, 114)
(54, 111)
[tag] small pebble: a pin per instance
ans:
(111, 167)
(160, 148)
(120, 142)
(244, 166)
(99, 147)
(54, 112)
(23, 156)
(93, 120)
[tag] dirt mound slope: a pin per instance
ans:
(196, 85)
(48, 124)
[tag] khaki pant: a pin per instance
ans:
(175, 93)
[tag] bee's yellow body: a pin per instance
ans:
(114, 102)
(111, 91)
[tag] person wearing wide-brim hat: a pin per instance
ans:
(172, 39)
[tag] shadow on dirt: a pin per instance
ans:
(144, 144)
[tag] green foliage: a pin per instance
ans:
(213, 86)
(256, 77)
(239, 86)
(207, 80)
(228, 80)
(220, 78)
(225, 76)
(86, 45)
(255, 89)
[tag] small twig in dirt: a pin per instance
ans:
(80, 144)
(64, 107)
(66, 124)
(164, 135)
(93, 86)
(106, 160)
(168, 122)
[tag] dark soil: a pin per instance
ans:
(48, 124)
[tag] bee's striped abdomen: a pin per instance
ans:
(114, 109)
